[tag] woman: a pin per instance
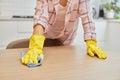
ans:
(58, 19)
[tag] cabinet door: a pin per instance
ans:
(8, 32)
(25, 29)
(113, 36)
(100, 30)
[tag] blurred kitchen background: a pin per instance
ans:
(17, 7)
(16, 21)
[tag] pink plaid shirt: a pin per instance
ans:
(46, 12)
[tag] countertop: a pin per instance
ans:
(107, 20)
(9, 18)
(60, 63)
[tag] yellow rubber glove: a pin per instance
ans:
(94, 50)
(35, 49)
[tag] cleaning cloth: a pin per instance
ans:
(40, 60)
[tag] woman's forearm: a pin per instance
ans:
(38, 29)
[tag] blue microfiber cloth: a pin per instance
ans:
(32, 64)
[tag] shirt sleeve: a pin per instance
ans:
(85, 12)
(41, 14)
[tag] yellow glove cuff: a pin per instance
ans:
(36, 41)
(89, 42)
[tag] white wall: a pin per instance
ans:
(25, 7)
(17, 7)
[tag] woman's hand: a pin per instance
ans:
(32, 56)
(35, 50)
(94, 50)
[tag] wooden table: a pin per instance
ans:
(60, 63)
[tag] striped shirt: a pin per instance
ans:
(46, 12)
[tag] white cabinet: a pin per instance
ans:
(113, 36)
(25, 29)
(8, 32)
(25, 26)
(11, 30)
(100, 29)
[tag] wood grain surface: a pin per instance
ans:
(60, 63)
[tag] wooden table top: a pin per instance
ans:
(60, 63)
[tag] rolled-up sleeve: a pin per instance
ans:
(41, 14)
(85, 12)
